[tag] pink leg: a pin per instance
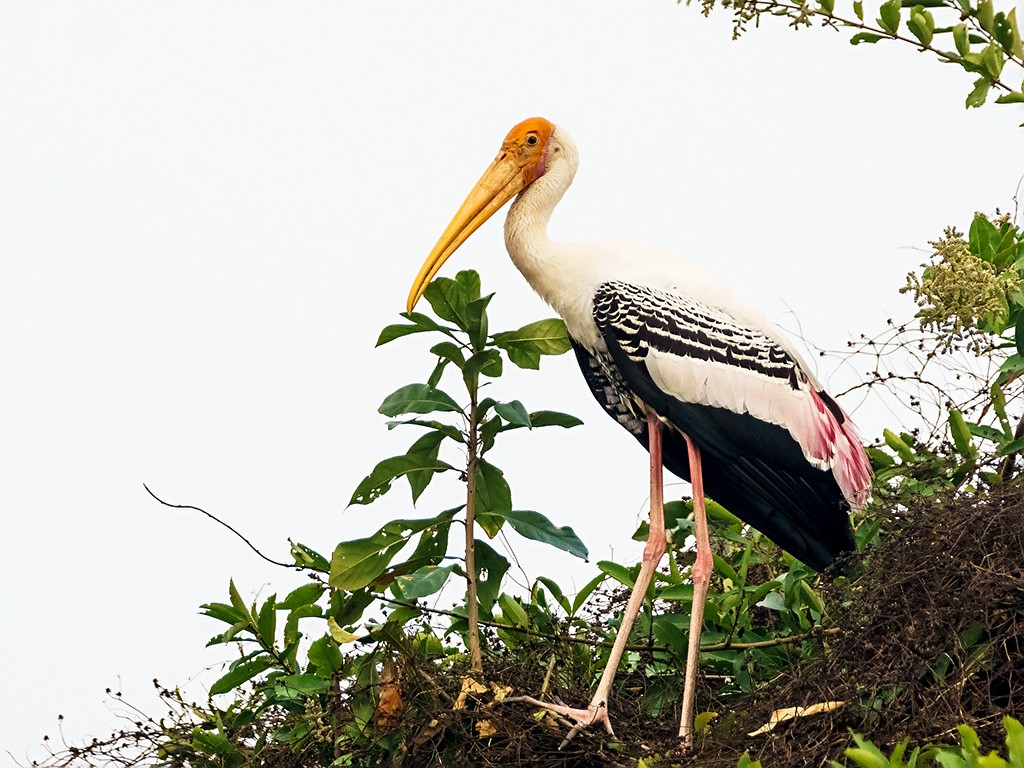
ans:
(701, 576)
(597, 711)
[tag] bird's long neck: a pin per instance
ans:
(542, 262)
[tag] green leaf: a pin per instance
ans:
(358, 563)
(554, 419)
(338, 633)
(492, 495)
(237, 603)
(324, 653)
(992, 59)
(556, 592)
(890, 15)
(858, 8)
(866, 37)
(899, 445)
(986, 15)
(963, 46)
(448, 299)
(525, 346)
(485, 363)
(922, 26)
(586, 591)
(1014, 741)
(450, 351)
(979, 93)
(223, 612)
(827, 6)
(1013, 97)
(514, 413)
(961, 434)
(512, 611)
(618, 572)
(417, 398)
(305, 685)
(305, 557)
(420, 323)
(423, 582)
(476, 321)
(307, 594)
(378, 482)
(427, 447)
(490, 570)
(1014, 446)
(267, 621)
(535, 526)
(469, 281)
(241, 674)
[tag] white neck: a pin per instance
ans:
(542, 262)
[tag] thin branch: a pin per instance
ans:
(230, 528)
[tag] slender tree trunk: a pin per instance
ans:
(472, 603)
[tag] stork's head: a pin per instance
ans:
(525, 156)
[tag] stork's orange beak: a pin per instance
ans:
(519, 163)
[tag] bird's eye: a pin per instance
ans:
(531, 139)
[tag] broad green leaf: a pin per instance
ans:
(420, 324)
(1014, 446)
(213, 743)
(338, 633)
(899, 445)
(476, 321)
(1013, 97)
(490, 570)
(514, 413)
(525, 346)
(426, 581)
(241, 674)
(963, 45)
(267, 621)
(556, 592)
(437, 426)
(992, 59)
(986, 15)
(890, 15)
(485, 363)
(533, 525)
(858, 8)
(922, 25)
(237, 603)
(306, 685)
(866, 37)
(417, 398)
(448, 299)
(985, 432)
(378, 482)
(307, 558)
(307, 594)
(618, 572)
(450, 351)
(492, 495)
(827, 5)
(358, 563)
(469, 281)
(426, 446)
(512, 611)
(222, 612)
(554, 419)
(325, 655)
(979, 93)
(1014, 741)
(961, 434)
(588, 589)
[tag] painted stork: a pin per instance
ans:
(706, 383)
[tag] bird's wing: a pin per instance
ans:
(774, 448)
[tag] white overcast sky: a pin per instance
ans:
(208, 210)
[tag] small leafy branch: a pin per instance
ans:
(466, 346)
(984, 42)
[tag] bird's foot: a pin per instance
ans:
(578, 719)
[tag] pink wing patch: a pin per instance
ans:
(839, 446)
